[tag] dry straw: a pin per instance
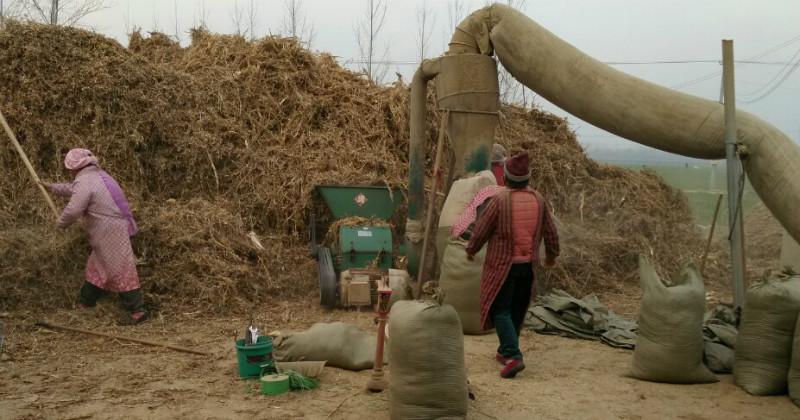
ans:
(227, 136)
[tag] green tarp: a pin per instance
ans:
(587, 318)
(559, 313)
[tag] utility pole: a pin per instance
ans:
(735, 219)
(54, 12)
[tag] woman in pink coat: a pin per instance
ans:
(97, 198)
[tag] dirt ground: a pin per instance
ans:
(47, 374)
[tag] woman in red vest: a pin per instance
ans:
(514, 223)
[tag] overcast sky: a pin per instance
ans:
(609, 30)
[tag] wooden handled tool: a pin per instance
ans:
(28, 164)
(117, 337)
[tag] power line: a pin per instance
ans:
(611, 63)
(776, 85)
(755, 57)
(777, 75)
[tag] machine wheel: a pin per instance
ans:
(327, 278)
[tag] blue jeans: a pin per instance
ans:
(510, 307)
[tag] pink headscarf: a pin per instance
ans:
(79, 158)
(471, 212)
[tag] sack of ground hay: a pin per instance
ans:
(460, 280)
(794, 371)
(340, 345)
(669, 346)
(764, 345)
(427, 378)
(460, 195)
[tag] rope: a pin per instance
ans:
(734, 220)
(414, 231)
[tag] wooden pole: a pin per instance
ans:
(117, 337)
(28, 164)
(734, 206)
(431, 202)
(710, 234)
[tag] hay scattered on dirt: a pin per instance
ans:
(238, 134)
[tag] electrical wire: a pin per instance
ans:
(747, 61)
(776, 85)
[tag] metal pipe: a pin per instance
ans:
(416, 160)
(733, 174)
(634, 108)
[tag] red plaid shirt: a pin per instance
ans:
(494, 226)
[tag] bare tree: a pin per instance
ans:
(60, 12)
(252, 14)
(237, 17)
(156, 26)
(426, 19)
(368, 31)
(126, 17)
(295, 22)
(177, 27)
(456, 11)
(9, 9)
(203, 15)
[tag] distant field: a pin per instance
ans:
(702, 183)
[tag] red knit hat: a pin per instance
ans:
(517, 168)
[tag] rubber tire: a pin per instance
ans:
(327, 278)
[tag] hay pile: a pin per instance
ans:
(227, 136)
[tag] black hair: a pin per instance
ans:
(517, 185)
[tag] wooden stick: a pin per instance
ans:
(710, 235)
(431, 201)
(117, 337)
(28, 164)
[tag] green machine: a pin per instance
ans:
(359, 246)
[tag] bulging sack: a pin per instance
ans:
(427, 378)
(669, 345)
(461, 194)
(341, 345)
(460, 279)
(764, 346)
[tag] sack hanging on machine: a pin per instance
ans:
(427, 378)
(669, 345)
(460, 279)
(764, 345)
(341, 345)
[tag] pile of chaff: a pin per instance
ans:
(227, 137)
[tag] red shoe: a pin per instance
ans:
(501, 359)
(134, 318)
(513, 367)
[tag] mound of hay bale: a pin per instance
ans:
(253, 127)
(764, 345)
(669, 345)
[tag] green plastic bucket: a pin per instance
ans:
(251, 358)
